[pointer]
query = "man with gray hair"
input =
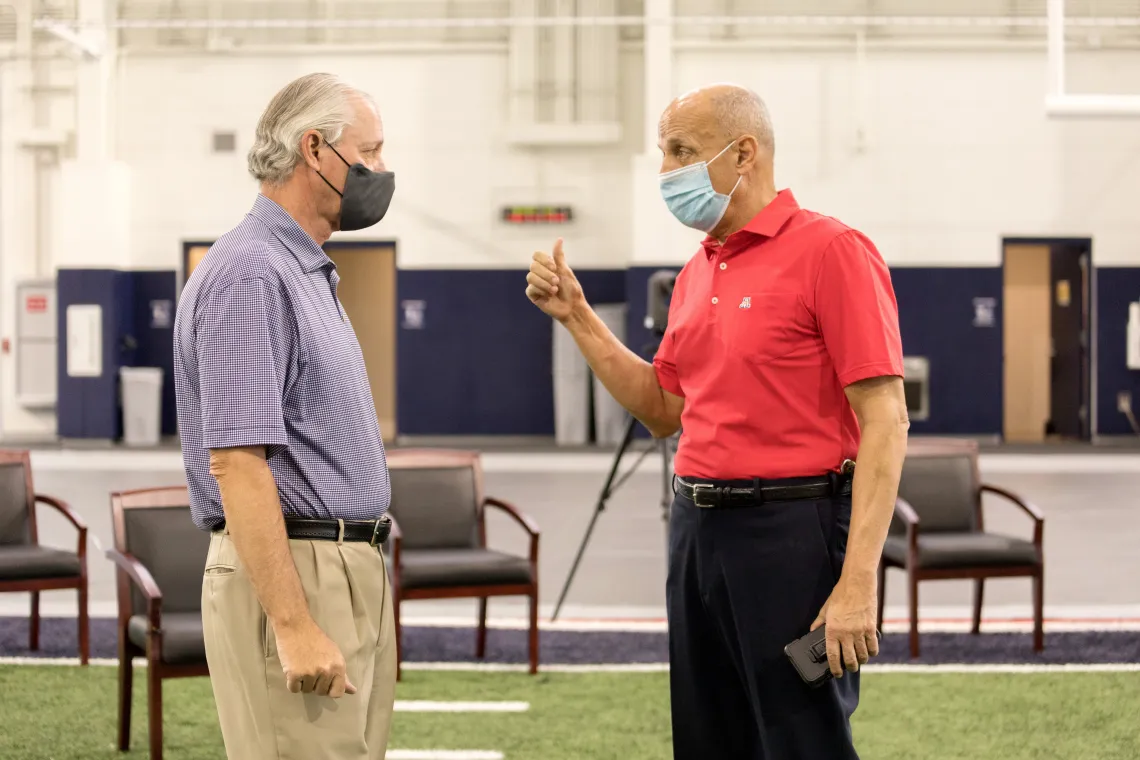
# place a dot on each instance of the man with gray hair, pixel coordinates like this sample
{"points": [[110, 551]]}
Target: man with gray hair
{"points": [[282, 447], [782, 366]]}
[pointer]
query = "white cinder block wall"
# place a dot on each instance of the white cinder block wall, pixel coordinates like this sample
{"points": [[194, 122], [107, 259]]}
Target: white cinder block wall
{"points": [[935, 154]]}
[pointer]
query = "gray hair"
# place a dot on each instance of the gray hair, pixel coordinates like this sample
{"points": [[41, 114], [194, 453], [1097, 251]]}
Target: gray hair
{"points": [[740, 111], [315, 101]]}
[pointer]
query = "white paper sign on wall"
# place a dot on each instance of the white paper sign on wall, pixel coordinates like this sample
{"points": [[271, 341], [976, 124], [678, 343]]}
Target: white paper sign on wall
{"points": [[984, 312], [413, 315], [84, 340]]}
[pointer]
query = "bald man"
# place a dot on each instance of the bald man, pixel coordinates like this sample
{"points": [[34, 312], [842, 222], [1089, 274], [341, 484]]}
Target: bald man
{"points": [[782, 365]]}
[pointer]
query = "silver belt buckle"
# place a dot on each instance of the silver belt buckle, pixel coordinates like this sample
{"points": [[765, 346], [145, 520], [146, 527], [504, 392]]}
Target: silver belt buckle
{"points": [[698, 489]]}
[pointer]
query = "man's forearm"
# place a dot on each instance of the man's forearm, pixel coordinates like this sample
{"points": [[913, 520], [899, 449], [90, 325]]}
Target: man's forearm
{"points": [[257, 528], [630, 379], [881, 452]]}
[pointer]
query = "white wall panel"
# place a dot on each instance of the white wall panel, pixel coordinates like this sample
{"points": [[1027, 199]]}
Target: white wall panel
{"points": [[445, 119], [959, 151]]}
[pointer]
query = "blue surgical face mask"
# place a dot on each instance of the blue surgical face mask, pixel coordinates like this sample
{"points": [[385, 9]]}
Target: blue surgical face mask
{"points": [[689, 194]]}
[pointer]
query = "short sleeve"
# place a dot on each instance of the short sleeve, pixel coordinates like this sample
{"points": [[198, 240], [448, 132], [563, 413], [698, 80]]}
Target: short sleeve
{"points": [[856, 310], [664, 362], [245, 342]]}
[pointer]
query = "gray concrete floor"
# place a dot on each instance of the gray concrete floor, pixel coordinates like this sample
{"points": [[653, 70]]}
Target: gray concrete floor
{"points": [[1091, 536]]}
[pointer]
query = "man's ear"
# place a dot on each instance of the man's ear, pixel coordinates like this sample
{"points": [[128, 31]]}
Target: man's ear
{"points": [[310, 149], [747, 151]]}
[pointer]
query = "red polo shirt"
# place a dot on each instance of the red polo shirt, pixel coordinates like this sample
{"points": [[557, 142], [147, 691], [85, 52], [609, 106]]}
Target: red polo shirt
{"points": [[764, 333]]}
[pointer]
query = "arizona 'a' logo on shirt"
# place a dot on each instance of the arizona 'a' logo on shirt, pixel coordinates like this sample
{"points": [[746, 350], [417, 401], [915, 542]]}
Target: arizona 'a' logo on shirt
{"points": [[746, 303]]}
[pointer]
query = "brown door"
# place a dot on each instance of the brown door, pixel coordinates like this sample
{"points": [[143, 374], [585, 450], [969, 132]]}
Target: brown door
{"points": [[1027, 335], [367, 291], [193, 257]]}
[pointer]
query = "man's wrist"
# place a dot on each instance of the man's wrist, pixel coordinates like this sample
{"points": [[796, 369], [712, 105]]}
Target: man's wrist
{"points": [[291, 622], [577, 316], [859, 573]]}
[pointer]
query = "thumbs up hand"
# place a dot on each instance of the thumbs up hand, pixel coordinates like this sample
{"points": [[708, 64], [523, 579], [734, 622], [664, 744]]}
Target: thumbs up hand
{"points": [[552, 286]]}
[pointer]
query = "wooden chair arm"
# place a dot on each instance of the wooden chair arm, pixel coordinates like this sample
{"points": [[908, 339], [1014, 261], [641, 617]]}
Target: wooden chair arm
{"points": [[81, 527], [1030, 509], [142, 578], [61, 506], [905, 512], [529, 525]]}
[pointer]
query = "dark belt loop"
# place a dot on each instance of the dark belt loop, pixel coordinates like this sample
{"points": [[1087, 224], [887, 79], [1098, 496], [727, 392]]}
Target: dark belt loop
{"points": [[833, 482], [757, 491]]}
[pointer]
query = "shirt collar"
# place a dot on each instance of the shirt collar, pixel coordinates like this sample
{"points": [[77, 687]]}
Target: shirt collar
{"points": [[768, 222], [310, 255]]}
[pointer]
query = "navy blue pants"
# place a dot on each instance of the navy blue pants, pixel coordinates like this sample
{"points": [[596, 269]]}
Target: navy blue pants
{"points": [[743, 583]]}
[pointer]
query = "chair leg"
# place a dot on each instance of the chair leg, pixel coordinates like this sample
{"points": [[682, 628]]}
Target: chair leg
{"points": [[481, 634], [534, 631], [979, 588], [1039, 610], [154, 705], [84, 624], [913, 612], [126, 687], [882, 592], [34, 623]]}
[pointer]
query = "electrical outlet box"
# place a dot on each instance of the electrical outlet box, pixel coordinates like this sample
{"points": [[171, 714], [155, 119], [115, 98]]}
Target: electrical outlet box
{"points": [[1124, 402]]}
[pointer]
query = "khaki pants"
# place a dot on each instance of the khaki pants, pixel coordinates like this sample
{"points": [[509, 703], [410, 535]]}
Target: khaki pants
{"points": [[347, 589]]}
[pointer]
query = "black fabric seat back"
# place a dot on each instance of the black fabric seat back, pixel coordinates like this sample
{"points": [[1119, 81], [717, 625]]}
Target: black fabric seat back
{"points": [[15, 528], [942, 487], [436, 507], [169, 545]]}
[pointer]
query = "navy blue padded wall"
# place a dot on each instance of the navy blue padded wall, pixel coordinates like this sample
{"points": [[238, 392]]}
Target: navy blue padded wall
{"points": [[155, 304], [89, 407], [480, 362], [1116, 287], [936, 318]]}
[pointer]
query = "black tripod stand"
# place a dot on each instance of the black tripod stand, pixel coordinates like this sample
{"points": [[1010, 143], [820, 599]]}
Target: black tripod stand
{"points": [[663, 446]]}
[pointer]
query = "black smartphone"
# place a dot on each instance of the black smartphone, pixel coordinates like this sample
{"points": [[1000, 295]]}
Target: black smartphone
{"points": [[809, 657]]}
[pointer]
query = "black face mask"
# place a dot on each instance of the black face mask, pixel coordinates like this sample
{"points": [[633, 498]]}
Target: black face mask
{"points": [[366, 195]]}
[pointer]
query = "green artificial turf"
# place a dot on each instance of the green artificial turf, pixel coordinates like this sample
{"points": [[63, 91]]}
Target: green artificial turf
{"points": [[68, 713]]}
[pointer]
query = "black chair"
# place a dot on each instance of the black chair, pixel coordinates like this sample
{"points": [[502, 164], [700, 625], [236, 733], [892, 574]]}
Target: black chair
{"points": [[160, 556], [438, 545], [937, 532], [27, 566]]}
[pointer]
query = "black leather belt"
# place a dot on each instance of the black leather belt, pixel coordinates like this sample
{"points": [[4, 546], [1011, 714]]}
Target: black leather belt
{"points": [[708, 495], [375, 532]]}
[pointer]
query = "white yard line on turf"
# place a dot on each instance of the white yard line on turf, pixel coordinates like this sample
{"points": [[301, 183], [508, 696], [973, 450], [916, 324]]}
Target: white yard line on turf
{"points": [[412, 705], [443, 754], [659, 667]]}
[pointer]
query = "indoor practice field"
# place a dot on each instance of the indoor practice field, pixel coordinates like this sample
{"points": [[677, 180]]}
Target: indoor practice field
{"points": [[551, 370]]}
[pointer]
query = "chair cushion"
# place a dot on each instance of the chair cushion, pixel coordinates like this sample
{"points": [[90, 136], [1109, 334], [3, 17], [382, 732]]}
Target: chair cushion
{"points": [[182, 639], [433, 568], [962, 550], [19, 563]]}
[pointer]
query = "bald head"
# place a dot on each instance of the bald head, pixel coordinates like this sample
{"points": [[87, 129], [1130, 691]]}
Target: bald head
{"points": [[740, 111], [729, 127], [721, 111]]}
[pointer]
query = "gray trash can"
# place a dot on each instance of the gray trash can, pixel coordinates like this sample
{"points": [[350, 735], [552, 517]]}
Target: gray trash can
{"points": [[609, 416], [142, 405], [571, 390]]}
